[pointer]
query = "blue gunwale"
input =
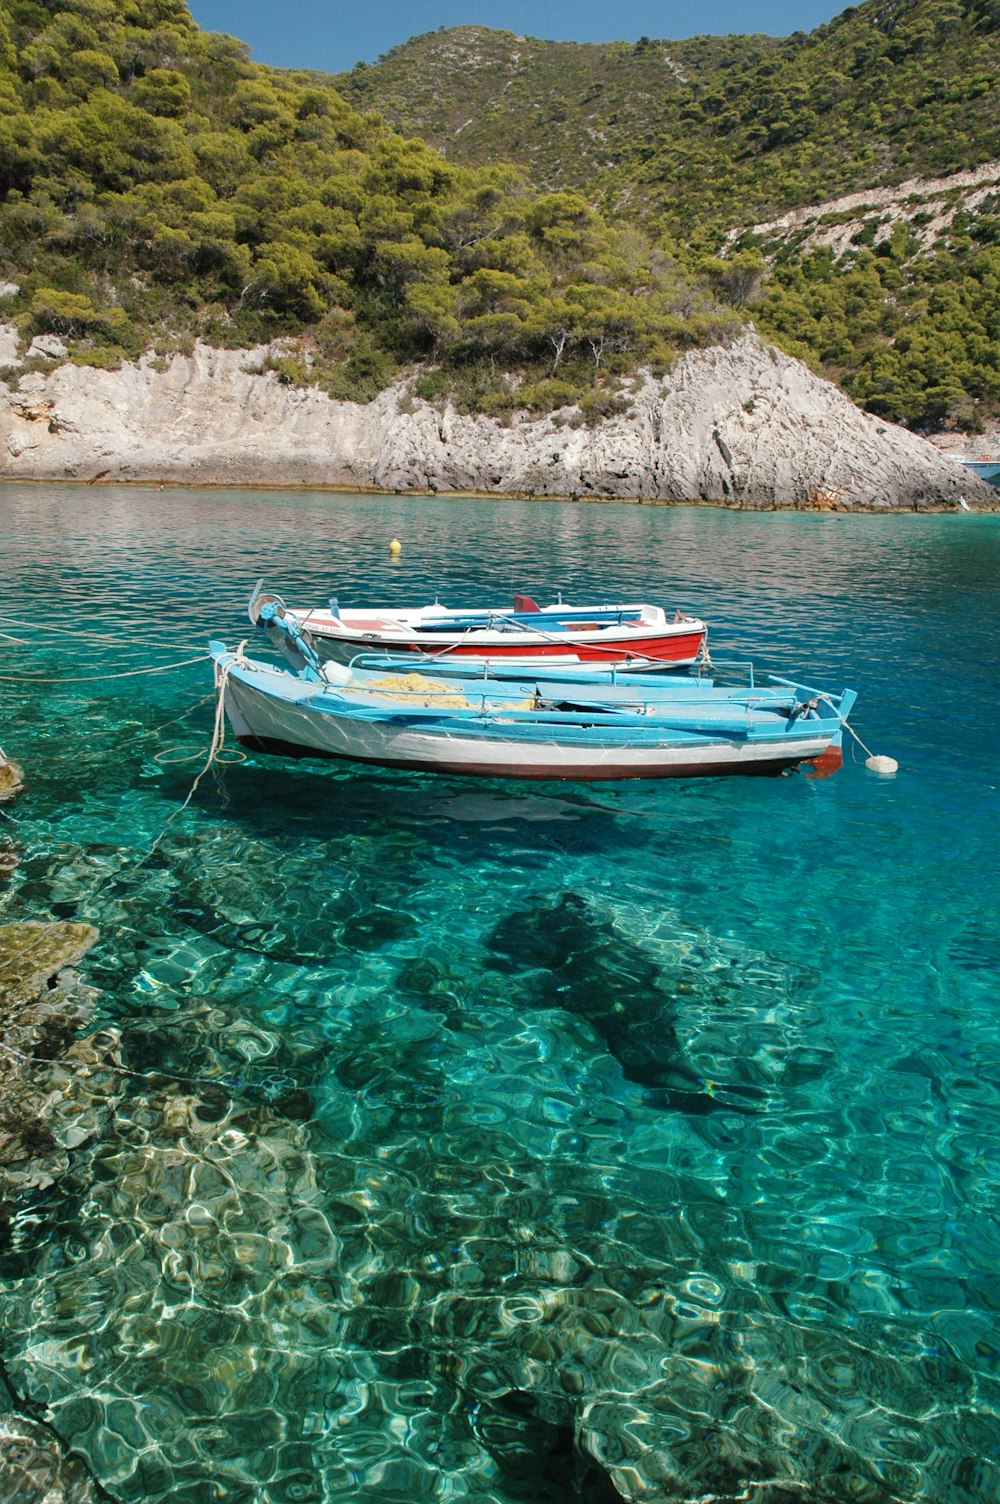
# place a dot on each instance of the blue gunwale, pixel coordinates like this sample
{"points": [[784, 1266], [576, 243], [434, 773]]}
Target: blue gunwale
{"points": [[680, 710]]}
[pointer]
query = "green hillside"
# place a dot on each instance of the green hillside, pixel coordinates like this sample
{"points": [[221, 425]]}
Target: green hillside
{"points": [[695, 139], [590, 211], [155, 186], [573, 115], [713, 131]]}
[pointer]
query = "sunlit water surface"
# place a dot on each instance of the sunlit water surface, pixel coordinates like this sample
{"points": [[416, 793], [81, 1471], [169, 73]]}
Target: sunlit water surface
{"points": [[513, 1142]]}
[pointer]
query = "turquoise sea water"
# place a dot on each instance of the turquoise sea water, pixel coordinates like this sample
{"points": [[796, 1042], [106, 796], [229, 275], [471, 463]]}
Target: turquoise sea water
{"points": [[501, 1142]]}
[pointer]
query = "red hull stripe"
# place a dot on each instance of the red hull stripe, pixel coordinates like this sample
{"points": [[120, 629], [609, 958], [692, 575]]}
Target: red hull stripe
{"points": [[679, 649]]}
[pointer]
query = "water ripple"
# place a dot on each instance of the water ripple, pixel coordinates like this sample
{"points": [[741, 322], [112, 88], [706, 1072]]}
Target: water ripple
{"points": [[513, 1145]]}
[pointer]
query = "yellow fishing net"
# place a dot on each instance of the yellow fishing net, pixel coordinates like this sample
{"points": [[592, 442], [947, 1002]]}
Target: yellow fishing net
{"points": [[418, 689]]}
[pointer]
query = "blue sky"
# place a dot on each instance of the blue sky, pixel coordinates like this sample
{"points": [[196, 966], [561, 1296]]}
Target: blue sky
{"points": [[333, 35]]}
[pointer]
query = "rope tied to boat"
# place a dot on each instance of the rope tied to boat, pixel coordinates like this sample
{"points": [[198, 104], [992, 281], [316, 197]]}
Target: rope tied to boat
{"points": [[174, 757], [217, 744], [875, 762], [216, 747]]}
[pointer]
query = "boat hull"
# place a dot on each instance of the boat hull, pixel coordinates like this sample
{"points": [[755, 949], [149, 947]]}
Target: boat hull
{"points": [[677, 650], [570, 638], [284, 715], [985, 469], [592, 772]]}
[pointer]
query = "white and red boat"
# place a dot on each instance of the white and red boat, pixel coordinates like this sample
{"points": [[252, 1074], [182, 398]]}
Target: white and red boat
{"points": [[623, 634]]}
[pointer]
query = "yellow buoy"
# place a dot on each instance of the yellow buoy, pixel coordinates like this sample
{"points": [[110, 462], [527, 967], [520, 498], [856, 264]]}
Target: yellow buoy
{"points": [[395, 546]]}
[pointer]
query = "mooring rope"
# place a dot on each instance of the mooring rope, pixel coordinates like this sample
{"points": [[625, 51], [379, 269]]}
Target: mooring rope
{"points": [[876, 761], [216, 747], [130, 673], [100, 639], [176, 719]]}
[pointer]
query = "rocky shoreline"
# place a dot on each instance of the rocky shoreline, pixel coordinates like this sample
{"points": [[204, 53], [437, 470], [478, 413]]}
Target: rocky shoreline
{"points": [[738, 426]]}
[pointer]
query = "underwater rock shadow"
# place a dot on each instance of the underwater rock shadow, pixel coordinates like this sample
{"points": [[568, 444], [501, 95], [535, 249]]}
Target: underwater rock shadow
{"points": [[540, 1460], [569, 959]]}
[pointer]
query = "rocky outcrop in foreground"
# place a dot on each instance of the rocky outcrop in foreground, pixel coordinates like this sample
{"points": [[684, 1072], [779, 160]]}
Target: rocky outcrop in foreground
{"points": [[42, 1005], [48, 1104], [35, 1465], [11, 778], [742, 425]]}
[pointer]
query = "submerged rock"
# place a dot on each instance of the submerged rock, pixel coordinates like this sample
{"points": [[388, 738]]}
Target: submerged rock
{"points": [[31, 955], [36, 1469], [46, 1102], [570, 959], [265, 1308], [42, 1006], [12, 780], [565, 956]]}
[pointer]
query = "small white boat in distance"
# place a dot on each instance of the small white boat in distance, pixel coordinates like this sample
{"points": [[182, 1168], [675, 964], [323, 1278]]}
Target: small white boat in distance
{"points": [[985, 467], [524, 632]]}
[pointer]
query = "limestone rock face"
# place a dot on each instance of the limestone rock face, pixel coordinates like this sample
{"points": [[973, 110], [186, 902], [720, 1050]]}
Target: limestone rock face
{"points": [[742, 425], [49, 345]]}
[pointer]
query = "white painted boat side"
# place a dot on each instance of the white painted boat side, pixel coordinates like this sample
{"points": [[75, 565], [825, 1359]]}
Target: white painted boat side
{"points": [[413, 618], [390, 631], [285, 724]]}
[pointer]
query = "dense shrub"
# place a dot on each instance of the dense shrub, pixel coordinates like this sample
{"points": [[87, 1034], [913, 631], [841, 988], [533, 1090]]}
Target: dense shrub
{"points": [[152, 178]]}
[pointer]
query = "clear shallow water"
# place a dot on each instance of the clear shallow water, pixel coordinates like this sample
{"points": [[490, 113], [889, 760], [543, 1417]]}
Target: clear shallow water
{"points": [[515, 1141]]}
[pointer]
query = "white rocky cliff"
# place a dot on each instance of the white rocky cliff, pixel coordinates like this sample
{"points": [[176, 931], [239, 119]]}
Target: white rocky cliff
{"points": [[743, 425]]}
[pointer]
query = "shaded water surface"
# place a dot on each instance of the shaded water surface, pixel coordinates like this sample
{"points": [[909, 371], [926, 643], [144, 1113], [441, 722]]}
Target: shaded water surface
{"points": [[494, 1142]]}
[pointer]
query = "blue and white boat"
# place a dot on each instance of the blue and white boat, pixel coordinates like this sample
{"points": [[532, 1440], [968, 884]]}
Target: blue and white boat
{"points": [[585, 724]]}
